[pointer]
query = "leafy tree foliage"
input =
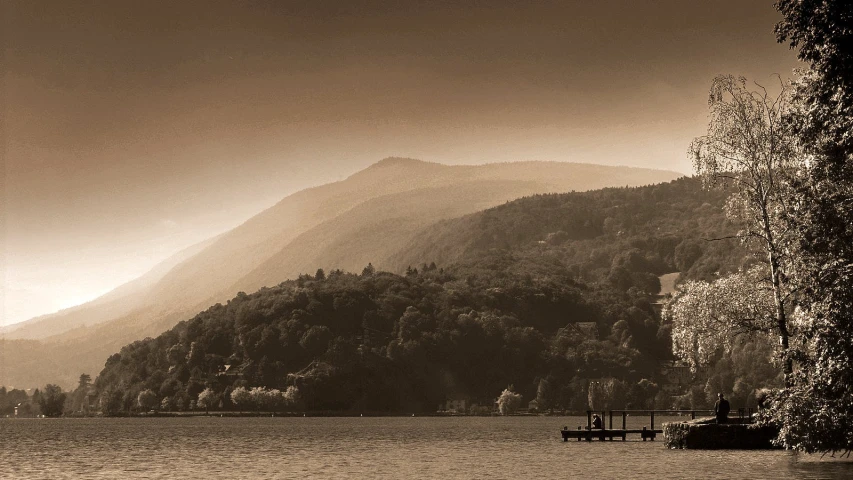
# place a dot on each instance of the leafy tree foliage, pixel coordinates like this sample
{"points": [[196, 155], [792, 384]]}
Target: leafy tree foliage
{"points": [[80, 397], [207, 399], [617, 235], [386, 342], [241, 397], [708, 317], [552, 292], [9, 399], [811, 223], [607, 393], [816, 412], [52, 401], [750, 145], [147, 400], [820, 31], [509, 401], [112, 401]]}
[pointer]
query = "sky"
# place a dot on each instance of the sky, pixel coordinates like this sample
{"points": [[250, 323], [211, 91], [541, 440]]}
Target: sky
{"points": [[135, 129]]}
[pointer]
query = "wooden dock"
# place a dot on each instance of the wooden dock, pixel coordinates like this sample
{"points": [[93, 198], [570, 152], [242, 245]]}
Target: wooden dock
{"points": [[648, 432], [607, 434]]}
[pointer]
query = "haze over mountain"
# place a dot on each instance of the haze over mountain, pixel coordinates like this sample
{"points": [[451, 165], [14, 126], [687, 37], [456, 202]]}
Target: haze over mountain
{"points": [[544, 292], [136, 129], [366, 218]]}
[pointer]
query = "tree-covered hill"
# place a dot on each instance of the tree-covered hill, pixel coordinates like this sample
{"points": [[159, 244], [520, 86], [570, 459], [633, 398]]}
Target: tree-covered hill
{"points": [[383, 342], [548, 293], [366, 217], [613, 233]]}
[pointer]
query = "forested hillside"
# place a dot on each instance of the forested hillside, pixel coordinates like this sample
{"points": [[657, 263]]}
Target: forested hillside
{"points": [[365, 218], [547, 293], [383, 342], [616, 234]]}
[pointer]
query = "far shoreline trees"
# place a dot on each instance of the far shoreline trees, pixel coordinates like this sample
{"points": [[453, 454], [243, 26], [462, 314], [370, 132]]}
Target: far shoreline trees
{"points": [[509, 402], [52, 401]]}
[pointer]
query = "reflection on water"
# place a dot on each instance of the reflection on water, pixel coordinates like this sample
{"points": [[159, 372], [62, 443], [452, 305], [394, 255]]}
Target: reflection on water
{"points": [[420, 447]]}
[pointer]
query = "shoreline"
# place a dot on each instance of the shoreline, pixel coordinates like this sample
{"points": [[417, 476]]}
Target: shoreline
{"points": [[331, 414]]}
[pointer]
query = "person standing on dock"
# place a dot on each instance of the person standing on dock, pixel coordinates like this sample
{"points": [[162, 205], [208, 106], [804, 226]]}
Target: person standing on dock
{"points": [[721, 409]]}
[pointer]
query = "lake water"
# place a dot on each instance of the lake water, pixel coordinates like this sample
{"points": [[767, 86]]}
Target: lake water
{"points": [[407, 448]]}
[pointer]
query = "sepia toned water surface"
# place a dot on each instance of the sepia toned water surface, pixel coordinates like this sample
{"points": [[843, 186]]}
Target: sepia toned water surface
{"points": [[383, 448]]}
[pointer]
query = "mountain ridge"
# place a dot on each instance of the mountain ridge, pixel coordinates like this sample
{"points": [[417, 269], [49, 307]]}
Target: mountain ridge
{"points": [[506, 309], [212, 274]]}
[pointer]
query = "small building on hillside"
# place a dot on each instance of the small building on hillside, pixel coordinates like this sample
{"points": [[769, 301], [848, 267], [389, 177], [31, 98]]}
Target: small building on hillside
{"points": [[234, 371], [533, 406], [457, 403], [587, 330]]}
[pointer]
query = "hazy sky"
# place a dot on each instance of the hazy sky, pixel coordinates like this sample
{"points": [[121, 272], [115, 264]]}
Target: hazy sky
{"points": [[133, 129]]}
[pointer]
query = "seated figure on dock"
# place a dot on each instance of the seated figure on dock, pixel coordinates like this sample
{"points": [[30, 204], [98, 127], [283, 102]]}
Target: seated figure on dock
{"points": [[721, 409], [597, 424]]}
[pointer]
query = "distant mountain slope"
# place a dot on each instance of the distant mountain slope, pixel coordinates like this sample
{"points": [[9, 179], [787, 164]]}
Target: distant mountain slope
{"points": [[655, 229], [394, 192], [506, 308], [367, 217], [375, 230], [114, 304]]}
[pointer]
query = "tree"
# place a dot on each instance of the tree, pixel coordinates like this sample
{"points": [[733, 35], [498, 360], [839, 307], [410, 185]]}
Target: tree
{"points": [[820, 32], [320, 275], [85, 381], [815, 410], [291, 396], [606, 394], [260, 398], [80, 396], [595, 394], [750, 145], [275, 399], [147, 400], [52, 401], [167, 404], [207, 399], [544, 394], [316, 340], [707, 317], [644, 393], [111, 401], [509, 401], [241, 397]]}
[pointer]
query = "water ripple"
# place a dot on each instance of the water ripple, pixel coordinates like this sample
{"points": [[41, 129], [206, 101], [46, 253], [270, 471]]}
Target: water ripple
{"points": [[376, 448]]}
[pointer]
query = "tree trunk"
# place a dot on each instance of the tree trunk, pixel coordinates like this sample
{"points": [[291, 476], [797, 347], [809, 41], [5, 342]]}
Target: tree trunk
{"points": [[778, 298], [781, 318]]}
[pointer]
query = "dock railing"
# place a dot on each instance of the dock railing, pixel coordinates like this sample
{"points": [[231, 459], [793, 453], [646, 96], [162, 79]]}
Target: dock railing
{"points": [[607, 430], [651, 413]]}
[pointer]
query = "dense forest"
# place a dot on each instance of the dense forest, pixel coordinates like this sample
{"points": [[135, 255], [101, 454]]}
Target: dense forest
{"points": [[609, 234], [552, 294]]}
